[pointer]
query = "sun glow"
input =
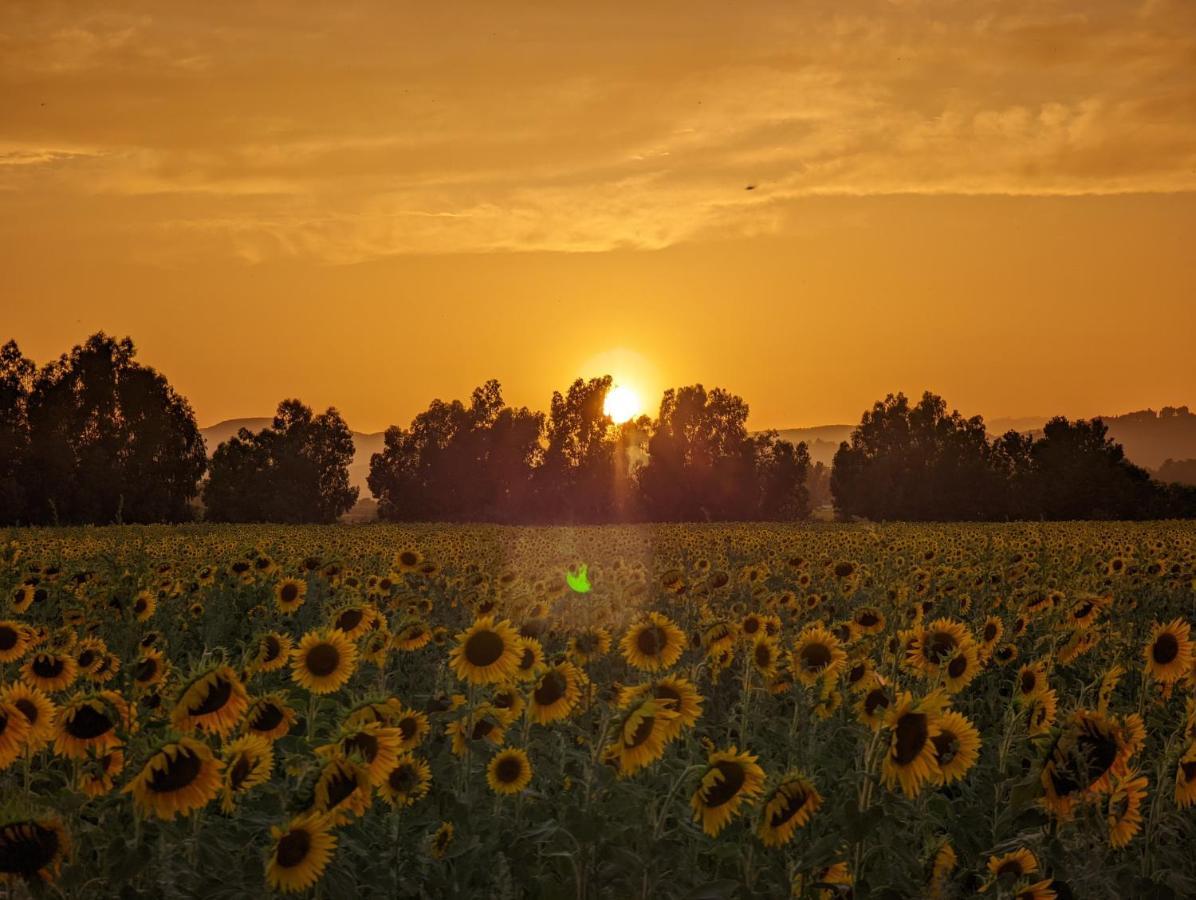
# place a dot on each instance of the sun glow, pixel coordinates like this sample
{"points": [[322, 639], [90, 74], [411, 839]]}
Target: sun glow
{"points": [[622, 403]]}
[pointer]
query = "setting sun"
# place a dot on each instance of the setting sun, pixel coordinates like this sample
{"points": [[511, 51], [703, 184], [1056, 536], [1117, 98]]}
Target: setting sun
{"points": [[622, 403]]}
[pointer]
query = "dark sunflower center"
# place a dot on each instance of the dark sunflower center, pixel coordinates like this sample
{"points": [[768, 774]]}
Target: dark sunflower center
{"points": [[8, 637], [508, 770], [1189, 769], [1010, 867], [408, 728], [218, 694], [322, 660], [726, 790], [868, 619], [912, 733], [349, 619], [876, 699], [552, 688], [957, 666], [289, 592], [271, 647], [940, 646], [178, 774], [363, 744], [28, 709], [88, 723], [403, 779], [651, 640], [408, 558], [340, 786], [763, 655], [795, 799], [26, 848], [241, 770], [146, 669], [293, 848], [267, 718], [946, 746], [1165, 648], [481, 728], [48, 666], [815, 657], [86, 658], [1029, 682], [642, 732], [990, 632], [484, 648]]}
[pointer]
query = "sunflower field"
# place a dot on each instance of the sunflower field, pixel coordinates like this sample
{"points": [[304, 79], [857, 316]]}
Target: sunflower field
{"points": [[728, 711]]}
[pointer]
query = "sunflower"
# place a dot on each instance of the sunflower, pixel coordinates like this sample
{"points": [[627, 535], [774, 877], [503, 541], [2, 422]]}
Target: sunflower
{"points": [[789, 807], [353, 621], [653, 643], [730, 779], [1011, 867], [177, 779], [531, 658], [212, 703], [323, 661], [962, 669], [248, 762], [14, 641], [97, 774], [482, 724], [641, 735], [342, 789], [145, 604], [509, 772], [52, 672], [765, 656], [817, 654], [269, 717], [439, 842], [873, 705], [487, 652], [87, 724], [289, 594], [1083, 759], [411, 636], [589, 645], [150, 669], [1169, 652], [373, 745], [408, 560], [1039, 890], [1031, 681], [956, 746], [301, 852], [683, 698], [39, 711], [1185, 778], [509, 702], [945, 862], [556, 693], [912, 756], [408, 781], [14, 732], [868, 620], [413, 728], [937, 644], [273, 651], [990, 634], [1040, 712], [33, 849], [1124, 809]]}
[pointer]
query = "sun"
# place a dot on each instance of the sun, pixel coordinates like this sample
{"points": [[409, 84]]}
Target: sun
{"points": [[622, 403]]}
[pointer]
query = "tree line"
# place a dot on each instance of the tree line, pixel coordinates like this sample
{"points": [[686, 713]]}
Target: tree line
{"points": [[97, 437]]}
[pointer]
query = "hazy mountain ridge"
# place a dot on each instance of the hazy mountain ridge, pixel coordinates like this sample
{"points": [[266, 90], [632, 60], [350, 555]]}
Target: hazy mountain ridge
{"points": [[1150, 438]]}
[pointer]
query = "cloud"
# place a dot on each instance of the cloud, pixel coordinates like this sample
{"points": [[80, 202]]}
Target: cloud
{"points": [[372, 131]]}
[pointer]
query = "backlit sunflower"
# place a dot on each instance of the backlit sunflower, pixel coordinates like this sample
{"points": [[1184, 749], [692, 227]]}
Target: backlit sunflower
{"points": [[1169, 651], [408, 781], [97, 774], [816, 654], [411, 636], [269, 717], [962, 669], [1123, 811], [353, 621], [177, 779], [248, 762], [52, 672], [956, 746], [641, 734], [509, 772], [509, 702], [289, 594], [39, 711], [1084, 758], [323, 661], [301, 852], [1031, 681], [937, 644], [212, 703], [556, 693], [487, 652], [413, 728], [14, 641], [33, 850], [789, 807], [653, 643], [87, 724], [872, 707], [765, 655], [731, 779], [912, 757], [373, 745], [589, 645], [145, 604]]}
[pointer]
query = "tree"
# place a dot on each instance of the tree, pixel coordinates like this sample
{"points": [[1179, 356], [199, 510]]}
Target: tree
{"points": [[915, 462], [296, 470], [576, 480], [109, 440], [16, 381], [459, 462]]}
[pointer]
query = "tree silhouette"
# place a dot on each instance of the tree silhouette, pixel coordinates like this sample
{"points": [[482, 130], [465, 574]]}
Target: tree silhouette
{"points": [[459, 462], [296, 470], [16, 381], [576, 479], [109, 440]]}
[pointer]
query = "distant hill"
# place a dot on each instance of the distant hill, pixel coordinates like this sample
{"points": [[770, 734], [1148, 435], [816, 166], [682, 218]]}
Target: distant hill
{"points": [[1149, 438]]}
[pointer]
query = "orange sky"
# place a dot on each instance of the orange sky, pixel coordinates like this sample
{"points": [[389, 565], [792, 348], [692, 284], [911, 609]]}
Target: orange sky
{"points": [[378, 203]]}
